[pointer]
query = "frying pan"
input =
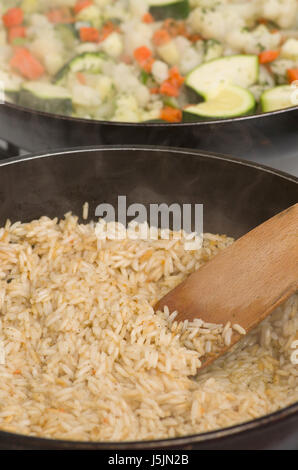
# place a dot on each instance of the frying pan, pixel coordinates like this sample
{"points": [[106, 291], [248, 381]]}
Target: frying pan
{"points": [[237, 196], [268, 134]]}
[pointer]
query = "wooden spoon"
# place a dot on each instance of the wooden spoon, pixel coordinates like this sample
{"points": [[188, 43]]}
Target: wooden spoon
{"points": [[245, 282]]}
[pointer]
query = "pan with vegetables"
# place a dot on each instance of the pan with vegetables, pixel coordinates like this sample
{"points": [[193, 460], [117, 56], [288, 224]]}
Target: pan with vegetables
{"points": [[105, 64]]}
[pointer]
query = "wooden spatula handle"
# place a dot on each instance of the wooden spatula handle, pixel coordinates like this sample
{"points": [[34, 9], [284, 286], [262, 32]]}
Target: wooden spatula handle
{"points": [[246, 281]]}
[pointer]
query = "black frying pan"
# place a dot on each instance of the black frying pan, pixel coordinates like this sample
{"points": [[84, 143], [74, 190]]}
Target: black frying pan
{"points": [[237, 196], [270, 134]]}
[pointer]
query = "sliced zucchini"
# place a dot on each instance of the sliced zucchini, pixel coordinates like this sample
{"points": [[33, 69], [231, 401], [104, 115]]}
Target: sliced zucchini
{"points": [[10, 84], [230, 101], [87, 61], [45, 97], [240, 70], [67, 34], [162, 9], [279, 97]]}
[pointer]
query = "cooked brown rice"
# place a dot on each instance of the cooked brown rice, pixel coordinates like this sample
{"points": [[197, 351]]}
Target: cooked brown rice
{"points": [[83, 355]]}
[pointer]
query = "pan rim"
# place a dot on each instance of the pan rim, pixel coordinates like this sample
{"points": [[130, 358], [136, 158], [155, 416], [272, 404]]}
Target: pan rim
{"points": [[185, 152], [17, 108]]}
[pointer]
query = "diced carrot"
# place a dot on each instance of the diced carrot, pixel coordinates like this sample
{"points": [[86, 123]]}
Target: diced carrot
{"points": [[160, 37], [175, 78], [26, 64], [17, 372], [81, 78], [148, 18], [106, 30], [60, 15], [171, 114], [16, 32], [268, 56], [143, 56], [194, 37], [81, 4], [167, 88], [89, 34], [13, 17], [147, 66], [292, 75]]}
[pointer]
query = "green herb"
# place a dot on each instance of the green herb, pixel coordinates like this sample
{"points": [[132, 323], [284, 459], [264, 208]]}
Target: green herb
{"points": [[19, 41], [144, 77]]}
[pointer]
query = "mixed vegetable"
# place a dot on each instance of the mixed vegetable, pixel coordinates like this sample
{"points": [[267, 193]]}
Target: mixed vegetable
{"points": [[150, 60]]}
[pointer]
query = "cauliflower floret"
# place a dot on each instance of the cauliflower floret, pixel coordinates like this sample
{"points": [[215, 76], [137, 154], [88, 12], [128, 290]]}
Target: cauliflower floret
{"points": [[217, 21], [282, 12], [136, 34], [50, 51], [87, 47], [253, 42], [101, 83], [160, 71], [113, 45], [91, 14], [279, 67], [289, 49], [138, 7], [190, 59], [127, 109], [214, 50], [153, 111], [86, 96], [142, 95], [169, 53], [124, 77]]}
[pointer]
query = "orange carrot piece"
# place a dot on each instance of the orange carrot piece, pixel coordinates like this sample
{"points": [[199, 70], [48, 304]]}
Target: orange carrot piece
{"points": [[148, 18], [60, 15], [106, 30], [154, 90], [292, 75], [160, 37], [26, 64], [81, 4], [81, 78], [13, 17], [175, 78], [143, 56], [16, 32], [89, 34], [194, 37], [167, 88], [266, 57], [171, 114]]}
